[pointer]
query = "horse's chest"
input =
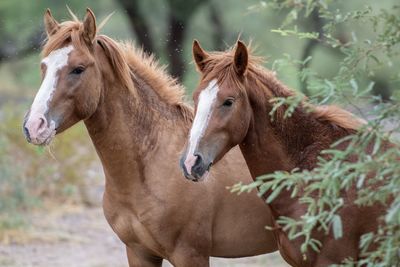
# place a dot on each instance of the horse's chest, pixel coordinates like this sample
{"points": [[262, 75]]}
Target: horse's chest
{"points": [[289, 250], [129, 228]]}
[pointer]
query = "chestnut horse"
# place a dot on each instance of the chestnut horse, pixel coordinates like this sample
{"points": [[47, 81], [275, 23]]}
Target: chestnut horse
{"points": [[137, 120], [232, 102]]}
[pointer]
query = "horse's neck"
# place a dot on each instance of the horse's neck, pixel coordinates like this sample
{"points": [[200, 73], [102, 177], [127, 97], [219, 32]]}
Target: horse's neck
{"points": [[262, 149], [283, 144], [127, 130], [280, 143]]}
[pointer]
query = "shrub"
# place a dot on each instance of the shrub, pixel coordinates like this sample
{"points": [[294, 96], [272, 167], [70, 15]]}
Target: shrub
{"points": [[353, 84], [31, 176]]}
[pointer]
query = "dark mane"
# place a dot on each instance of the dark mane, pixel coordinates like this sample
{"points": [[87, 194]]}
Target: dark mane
{"points": [[220, 64], [126, 61]]}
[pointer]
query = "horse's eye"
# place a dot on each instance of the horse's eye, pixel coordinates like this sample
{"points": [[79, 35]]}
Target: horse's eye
{"points": [[78, 70], [228, 102]]}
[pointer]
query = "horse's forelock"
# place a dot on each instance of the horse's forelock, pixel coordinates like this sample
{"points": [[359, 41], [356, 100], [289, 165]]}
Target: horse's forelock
{"points": [[69, 32], [220, 66]]}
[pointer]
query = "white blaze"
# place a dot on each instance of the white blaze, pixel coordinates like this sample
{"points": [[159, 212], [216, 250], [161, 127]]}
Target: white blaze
{"points": [[205, 106], [55, 61]]}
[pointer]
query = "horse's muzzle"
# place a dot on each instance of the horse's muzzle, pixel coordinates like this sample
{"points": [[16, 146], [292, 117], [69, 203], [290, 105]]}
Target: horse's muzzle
{"points": [[194, 167], [37, 130]]}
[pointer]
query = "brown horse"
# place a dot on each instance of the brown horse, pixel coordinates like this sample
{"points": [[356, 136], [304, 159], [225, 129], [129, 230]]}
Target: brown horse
{"points": [[232, 106], [137, 121]]}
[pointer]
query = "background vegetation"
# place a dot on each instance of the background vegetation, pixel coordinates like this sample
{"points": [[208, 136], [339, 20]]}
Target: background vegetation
{"points": [[343, 52]]}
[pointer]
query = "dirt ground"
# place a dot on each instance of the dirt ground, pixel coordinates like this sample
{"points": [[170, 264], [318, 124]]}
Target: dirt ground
{"points": [[80, 237]]}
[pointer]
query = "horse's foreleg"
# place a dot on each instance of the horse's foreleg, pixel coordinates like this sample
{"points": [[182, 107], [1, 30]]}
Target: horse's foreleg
{"points": [[138, 257]]}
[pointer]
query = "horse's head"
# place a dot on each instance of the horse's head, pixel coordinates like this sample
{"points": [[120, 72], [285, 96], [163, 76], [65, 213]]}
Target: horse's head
{"points": [[222, 109], [71, 83]]}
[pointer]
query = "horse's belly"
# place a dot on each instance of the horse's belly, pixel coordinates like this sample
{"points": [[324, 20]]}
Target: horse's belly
{"points": [[237, 249]]}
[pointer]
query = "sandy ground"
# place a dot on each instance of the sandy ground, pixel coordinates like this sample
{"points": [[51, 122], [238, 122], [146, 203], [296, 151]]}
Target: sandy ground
{"points": [[77, 237]]}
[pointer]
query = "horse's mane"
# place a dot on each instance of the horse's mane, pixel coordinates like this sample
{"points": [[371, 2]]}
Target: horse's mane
{"points": [[127, 62], [125, 58], [220, 64]]}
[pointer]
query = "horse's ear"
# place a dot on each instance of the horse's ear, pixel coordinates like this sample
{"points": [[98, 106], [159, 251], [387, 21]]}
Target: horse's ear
{"points": [[50, 24], [89, 26], [199, 55], [241, 58]]}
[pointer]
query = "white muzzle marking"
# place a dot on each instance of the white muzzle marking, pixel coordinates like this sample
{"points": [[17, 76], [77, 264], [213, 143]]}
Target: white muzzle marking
{"points": [[40, 131]]}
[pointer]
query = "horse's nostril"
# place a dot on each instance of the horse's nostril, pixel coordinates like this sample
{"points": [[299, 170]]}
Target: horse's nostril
{"points": [[26, 132], [209, 166], [42, 123], [199, 159]]}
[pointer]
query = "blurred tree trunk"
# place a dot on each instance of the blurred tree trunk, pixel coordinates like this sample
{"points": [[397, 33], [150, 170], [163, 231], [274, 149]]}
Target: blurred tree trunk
{"points": [[317, 26], [10, 51], [175, 38], [317, 23], [382, 89], [180, 13], [218, 27], [138, 24]]}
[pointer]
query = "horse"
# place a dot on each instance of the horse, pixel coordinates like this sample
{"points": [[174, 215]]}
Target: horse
{"points": [[137, 120], [233, 101]]}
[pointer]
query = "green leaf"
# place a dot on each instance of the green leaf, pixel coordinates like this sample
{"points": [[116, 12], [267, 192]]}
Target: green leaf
{"points": [[40, 150], [337, 227], [377, 146], [360, 180], [392, 212], [315, 245], [354, 85], [375, 59], [275, 193]]}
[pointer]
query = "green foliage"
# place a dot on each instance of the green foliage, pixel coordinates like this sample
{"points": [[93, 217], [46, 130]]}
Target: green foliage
{"points": [[31, 176], [374, 173]]}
